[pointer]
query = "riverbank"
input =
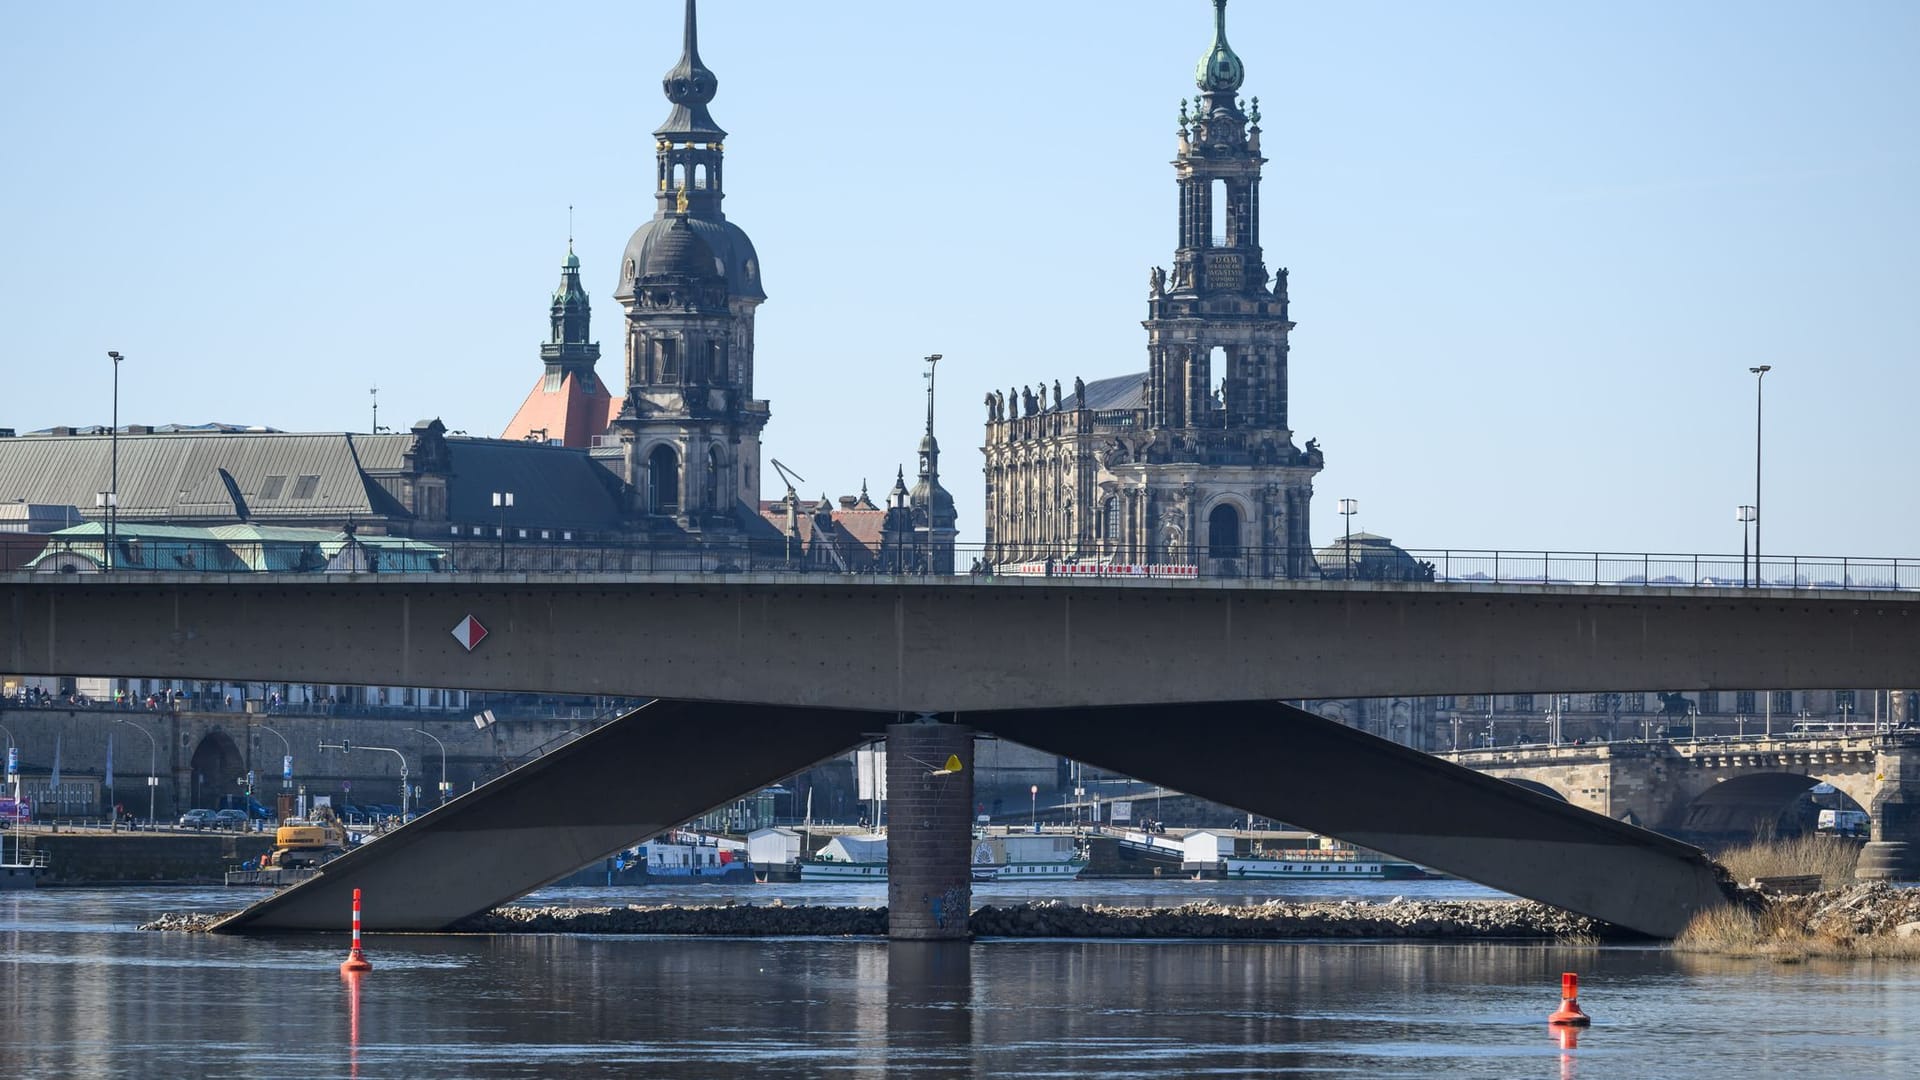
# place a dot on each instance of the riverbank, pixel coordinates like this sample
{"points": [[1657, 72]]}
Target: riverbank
{"points": [[1397, 918], [1874, 920]]}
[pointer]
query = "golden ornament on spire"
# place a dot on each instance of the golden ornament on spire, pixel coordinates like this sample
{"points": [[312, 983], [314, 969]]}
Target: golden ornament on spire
{"points": [[680, 199]]}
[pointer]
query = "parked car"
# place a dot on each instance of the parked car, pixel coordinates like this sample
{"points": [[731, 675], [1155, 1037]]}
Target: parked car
{"points": [[197, 819], [249, 806], [229, 819]]}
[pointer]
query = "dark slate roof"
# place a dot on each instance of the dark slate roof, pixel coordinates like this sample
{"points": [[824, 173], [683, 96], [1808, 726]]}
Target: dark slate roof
{"points": [[185, 477], [1119, 392], [726, 241], [552, 485]]}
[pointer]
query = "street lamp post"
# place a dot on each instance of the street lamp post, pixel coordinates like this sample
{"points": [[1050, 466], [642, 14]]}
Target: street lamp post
{"points": [[1033, 806], [1759, 380], [108, 502], [501, 501], [113, 469], [443, 761], [1745, 516], [153, 778], [286, 762], [1348, 508], [405, 788]]}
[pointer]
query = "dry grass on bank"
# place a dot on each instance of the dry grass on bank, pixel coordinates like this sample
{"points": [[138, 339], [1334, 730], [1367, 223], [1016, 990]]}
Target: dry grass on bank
{"points": [[1847, 920], [1782, 932], [1830, 857]]}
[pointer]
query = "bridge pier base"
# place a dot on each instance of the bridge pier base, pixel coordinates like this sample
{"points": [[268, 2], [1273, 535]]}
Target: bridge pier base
{"points": [[930, 816], [1893, 854]]}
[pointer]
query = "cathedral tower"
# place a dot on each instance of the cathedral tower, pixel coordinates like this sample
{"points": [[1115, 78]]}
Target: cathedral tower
{"points": [[1217, 332], [690, 282], [1191, 464]]}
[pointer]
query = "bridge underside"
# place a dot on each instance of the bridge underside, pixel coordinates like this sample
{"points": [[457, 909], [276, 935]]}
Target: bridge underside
{"points": [[672, 761], [1293, 766], [633, 778]]}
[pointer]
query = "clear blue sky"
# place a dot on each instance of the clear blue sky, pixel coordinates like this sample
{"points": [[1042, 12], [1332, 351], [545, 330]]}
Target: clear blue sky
{"points": [[1535, 247]]}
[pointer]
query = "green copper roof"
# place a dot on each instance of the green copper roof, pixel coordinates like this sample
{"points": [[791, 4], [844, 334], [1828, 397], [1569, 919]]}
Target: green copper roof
{"points": [[1220, 70]]}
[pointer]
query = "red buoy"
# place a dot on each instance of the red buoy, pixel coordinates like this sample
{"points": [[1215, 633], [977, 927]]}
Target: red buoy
{"points": [[1569, 1014], [356, 960]]}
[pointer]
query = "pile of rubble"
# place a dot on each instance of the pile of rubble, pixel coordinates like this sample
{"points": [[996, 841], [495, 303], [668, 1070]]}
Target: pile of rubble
{"points": [[1395, 918], [1868, 910]]}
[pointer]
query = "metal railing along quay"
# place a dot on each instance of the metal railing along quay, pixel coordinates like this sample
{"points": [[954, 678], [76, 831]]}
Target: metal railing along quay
{"points": [[1368, 562]]}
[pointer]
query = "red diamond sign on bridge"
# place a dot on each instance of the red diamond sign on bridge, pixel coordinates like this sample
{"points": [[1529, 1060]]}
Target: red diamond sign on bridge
{"points": [[469, 632]]}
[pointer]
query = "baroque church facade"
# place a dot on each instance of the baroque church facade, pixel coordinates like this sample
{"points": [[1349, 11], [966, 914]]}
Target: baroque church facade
{"points": [[1193, 461]]}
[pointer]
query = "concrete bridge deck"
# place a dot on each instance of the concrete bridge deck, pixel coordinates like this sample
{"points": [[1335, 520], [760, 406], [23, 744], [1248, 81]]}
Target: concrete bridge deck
{"points": [[927, 645]]}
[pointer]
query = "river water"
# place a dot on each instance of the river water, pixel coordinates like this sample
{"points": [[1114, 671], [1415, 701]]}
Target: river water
{"points": [[85, 994]]}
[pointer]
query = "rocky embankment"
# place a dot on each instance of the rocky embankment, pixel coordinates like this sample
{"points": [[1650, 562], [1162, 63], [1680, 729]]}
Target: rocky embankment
{"points": [[1396, 918], [1866, 921], [1871, 909]]}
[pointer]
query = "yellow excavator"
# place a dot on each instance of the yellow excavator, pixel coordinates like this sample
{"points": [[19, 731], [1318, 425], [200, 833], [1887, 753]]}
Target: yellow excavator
{"points": [[307, 843]]}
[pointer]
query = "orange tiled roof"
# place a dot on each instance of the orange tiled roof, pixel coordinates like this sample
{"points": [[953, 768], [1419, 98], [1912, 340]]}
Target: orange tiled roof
{"points": [[569, 412]]}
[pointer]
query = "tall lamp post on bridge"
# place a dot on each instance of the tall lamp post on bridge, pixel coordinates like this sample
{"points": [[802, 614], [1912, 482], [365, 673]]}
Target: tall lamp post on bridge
{"points": [[113, 469], [1033, 806], [443, 761], [1745, 516], [153, 756], [1348, 508], [1759, 380], [502, 500]]}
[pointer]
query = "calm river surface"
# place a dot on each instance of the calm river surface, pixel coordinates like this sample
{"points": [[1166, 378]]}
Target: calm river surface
{"points": [[84, 994]]}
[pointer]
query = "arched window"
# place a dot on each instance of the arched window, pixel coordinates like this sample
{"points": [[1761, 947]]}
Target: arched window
{"points": [[714, 468], [663, 481], [1223, 532], [1114, 528]]}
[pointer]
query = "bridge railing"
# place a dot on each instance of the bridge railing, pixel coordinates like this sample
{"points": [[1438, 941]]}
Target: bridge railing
{"points": [[841, 554]]}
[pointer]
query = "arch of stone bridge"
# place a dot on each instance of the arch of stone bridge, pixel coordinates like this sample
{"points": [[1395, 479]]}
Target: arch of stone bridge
{"points": [[1537, 787], [1758, 804]]}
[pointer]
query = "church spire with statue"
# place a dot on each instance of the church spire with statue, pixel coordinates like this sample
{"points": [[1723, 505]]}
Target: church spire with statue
{"points": [[689, 429], [1192, 463]]}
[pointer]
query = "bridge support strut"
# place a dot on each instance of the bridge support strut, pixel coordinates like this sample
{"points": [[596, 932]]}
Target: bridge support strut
{"points": [[930, 808]]}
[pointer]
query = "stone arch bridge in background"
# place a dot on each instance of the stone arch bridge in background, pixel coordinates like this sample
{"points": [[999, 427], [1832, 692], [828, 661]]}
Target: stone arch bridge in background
{"points": [[1711, 789]]}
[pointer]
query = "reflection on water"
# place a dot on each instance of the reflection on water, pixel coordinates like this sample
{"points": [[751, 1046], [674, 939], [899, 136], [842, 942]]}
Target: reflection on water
{"points": [[86, 995]]}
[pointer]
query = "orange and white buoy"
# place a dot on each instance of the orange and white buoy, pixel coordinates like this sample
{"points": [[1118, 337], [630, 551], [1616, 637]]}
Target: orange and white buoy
{"points": [[1569, 1013], [356, 960]]}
